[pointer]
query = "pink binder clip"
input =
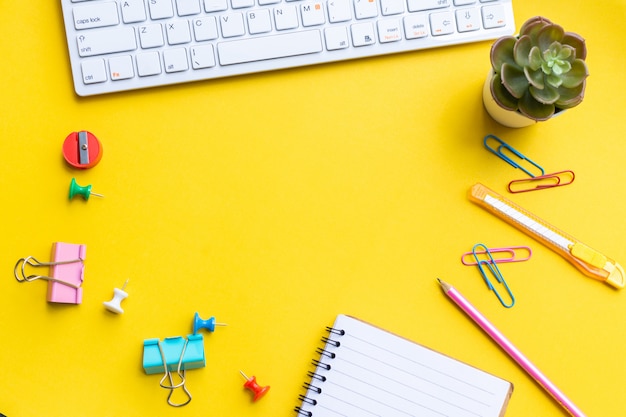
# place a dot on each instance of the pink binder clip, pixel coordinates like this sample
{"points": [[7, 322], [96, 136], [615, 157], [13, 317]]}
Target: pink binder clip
{"points": [[66, 272]]}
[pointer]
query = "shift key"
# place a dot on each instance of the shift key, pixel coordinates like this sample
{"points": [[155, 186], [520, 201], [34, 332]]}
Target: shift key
{"points": [[106, 41]]}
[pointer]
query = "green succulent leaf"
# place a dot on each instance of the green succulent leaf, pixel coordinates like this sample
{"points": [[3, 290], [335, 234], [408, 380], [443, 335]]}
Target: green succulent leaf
{"points": [[535, 78], [532, 27], [535, 59], [530, 107], [514, 80], [560, 67], [577, 42], [521, 51], [553, 80], [546, 95], [576, 75], [567, 53], [548, 35], [502, 52], [570, 97], [501, 95]]}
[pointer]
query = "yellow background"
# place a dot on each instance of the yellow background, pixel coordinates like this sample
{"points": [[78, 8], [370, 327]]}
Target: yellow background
{"points": [[276, 201]]}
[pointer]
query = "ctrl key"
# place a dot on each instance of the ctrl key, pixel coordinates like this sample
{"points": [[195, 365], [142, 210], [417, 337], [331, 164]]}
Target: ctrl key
{"points": [[93, 71]]}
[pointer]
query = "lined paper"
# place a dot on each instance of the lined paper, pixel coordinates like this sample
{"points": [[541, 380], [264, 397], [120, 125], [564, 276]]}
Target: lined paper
{"points": [[376, 373]]}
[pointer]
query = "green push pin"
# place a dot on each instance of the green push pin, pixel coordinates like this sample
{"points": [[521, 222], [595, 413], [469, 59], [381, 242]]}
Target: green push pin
{"points": [[85, 191]]}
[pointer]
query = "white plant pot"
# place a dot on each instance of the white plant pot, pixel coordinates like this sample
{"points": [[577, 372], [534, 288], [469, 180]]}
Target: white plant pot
{"points": [[505, 117]]}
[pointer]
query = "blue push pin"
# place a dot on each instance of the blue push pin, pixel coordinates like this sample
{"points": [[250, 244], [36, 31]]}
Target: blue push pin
{"points": [[84, 192], [208, 324]]}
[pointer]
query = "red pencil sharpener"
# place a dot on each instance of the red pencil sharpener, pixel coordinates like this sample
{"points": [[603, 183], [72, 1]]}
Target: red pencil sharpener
{"points": [[82, 149]]}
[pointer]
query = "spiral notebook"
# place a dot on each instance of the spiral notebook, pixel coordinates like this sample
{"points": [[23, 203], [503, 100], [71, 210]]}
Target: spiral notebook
{"points": [[365, 371]]}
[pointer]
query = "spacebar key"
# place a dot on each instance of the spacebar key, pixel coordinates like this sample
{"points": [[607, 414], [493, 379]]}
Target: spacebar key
{"points": [[269, 47]]}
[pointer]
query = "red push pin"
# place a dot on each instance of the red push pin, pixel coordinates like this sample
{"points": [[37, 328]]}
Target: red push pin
{"points": [[82, 149], [252, 385]]}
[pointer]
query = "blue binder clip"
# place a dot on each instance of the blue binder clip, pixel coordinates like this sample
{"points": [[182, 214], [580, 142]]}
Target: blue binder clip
{"points": [[174, 354], [173, 349]]}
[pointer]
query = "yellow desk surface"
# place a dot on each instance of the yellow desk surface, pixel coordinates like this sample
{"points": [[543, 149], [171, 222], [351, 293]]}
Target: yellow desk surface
{"points": [[276, 201]]}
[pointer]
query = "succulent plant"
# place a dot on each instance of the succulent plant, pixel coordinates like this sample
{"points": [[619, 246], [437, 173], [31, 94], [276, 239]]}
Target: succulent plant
{"points": [[539, 72]]}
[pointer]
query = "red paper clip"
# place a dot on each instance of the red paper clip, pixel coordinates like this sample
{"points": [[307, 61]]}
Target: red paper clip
{"points": [[515, 254], [556, 179]]}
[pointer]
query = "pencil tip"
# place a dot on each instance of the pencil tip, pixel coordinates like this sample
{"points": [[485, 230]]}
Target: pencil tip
{"points": [[444, 284]]}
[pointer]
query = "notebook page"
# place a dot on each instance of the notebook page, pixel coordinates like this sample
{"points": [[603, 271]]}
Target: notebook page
{"points": [[375, 373]]}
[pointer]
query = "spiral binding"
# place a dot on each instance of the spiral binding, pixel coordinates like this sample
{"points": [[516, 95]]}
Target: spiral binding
{"points": [[322, 362]]}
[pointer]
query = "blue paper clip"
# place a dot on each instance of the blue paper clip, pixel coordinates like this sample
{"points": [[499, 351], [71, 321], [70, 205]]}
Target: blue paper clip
{"points": [[490, 263], [498, 152]]}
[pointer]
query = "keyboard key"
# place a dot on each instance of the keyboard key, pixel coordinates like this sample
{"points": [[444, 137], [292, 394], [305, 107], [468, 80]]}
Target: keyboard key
{"points": [[336, 38], [202, 57], [391, 7], [151, 36], [468, 20], [364, 9], [161, 9], [241, 4], [175, 60], [148, 63], [269, 47], [205, 29], [363, 34], [211, 6], [133, 11], [107, 41], [96, 15], [493, 16], [178, 32], [187, 7], [339, 11], [389, 30], [259, 21], [232, 25], [420, 5], [415, 26], [285, 17], [93, 71], [441, 23], [312, 14], [121, 68]]}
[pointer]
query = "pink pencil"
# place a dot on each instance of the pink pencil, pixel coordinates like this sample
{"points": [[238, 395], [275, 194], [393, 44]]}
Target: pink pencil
{"points": [[508, 347]]}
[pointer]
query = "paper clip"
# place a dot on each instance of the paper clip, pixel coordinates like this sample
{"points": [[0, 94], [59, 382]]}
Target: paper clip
{"points": [[499, 152], [510, 254], [556, 179], [495, 271]]}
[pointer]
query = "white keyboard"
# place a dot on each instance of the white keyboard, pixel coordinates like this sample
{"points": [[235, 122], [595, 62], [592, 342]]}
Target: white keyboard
{"points": [[117, 45]]}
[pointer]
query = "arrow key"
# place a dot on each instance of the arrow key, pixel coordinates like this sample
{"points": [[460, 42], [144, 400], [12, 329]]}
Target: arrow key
{"points": [[467, 20], [493, 16], [442, 23]]}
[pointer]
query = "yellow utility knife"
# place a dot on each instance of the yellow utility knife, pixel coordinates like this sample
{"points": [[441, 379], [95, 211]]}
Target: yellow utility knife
{"points": [[589, 261]]}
